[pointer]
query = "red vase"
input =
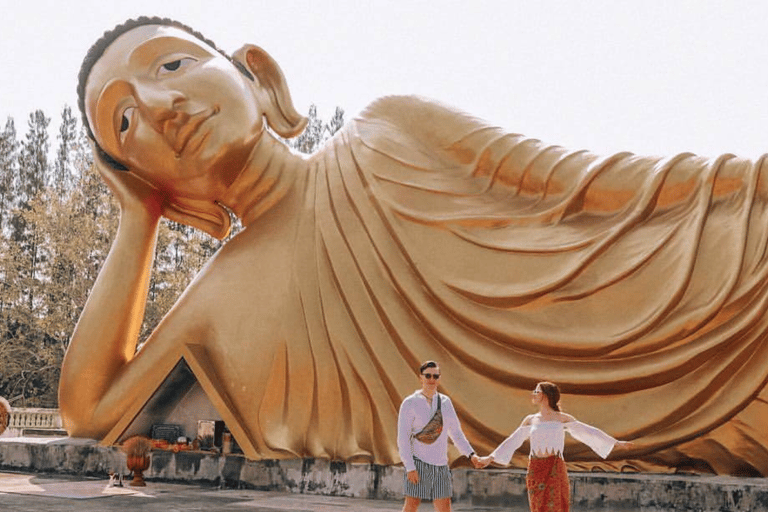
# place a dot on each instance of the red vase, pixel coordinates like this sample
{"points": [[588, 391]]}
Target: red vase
{"points": [[138, 464]]}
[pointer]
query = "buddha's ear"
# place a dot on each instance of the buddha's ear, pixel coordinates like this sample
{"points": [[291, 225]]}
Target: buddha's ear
{"points": [[201, 214], [279, 110]]}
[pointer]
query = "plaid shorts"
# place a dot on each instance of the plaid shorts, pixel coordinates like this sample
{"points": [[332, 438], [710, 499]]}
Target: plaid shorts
{"points": [[434, 482]]}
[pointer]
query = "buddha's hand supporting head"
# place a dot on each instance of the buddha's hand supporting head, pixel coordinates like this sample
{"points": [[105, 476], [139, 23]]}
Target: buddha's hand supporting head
{"points": [[140, 197], [164, 104]]}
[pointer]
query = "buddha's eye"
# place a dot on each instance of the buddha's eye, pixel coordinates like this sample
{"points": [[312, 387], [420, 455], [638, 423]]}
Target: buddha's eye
{"points": [[174, 65], [125, 121]]}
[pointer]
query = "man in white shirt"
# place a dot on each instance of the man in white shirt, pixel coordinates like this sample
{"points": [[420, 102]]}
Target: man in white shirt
{"points": [[426, 420]]}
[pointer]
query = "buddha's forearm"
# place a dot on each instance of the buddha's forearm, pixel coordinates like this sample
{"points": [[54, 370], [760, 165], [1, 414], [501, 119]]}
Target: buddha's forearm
{"points": [[106, 334]]}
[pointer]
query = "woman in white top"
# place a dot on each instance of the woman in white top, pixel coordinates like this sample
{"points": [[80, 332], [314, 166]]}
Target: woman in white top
{"points": [[547, 480]]}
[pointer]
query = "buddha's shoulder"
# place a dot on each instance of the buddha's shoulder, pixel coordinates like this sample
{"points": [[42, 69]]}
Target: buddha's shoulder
{"points": [[419, 116], [400, 106]]}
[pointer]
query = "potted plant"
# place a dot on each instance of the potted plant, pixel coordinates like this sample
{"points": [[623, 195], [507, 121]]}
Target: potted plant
{"points": [[137, 450]]}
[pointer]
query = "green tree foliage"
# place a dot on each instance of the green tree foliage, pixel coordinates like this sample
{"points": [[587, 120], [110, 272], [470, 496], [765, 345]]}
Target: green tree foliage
{"points": [[57, 222]]}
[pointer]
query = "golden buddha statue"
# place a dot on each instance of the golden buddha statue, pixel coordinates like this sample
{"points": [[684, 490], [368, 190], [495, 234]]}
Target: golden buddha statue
{"points": [[637, 284]]}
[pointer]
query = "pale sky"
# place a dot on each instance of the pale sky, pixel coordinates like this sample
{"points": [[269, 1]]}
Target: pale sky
{"points": [[652, 77]]}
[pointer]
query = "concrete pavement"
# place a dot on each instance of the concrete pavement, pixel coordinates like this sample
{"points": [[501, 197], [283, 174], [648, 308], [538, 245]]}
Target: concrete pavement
{"points": [[20, 492], [31, 469]]}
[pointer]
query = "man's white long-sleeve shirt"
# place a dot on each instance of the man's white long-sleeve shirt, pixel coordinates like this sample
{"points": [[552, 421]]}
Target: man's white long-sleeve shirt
{"points": [[415, 413]]}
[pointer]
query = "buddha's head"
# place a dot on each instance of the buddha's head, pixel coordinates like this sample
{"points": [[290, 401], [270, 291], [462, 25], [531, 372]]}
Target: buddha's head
{"points": [[162, 101]]}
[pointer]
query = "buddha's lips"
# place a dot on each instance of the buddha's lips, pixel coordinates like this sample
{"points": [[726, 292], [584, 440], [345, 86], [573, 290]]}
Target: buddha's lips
{"points": [[180, 129]]}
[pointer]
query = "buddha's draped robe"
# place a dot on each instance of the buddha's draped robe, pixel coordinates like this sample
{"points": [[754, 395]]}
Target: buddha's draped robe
{"points": [[638, 284]]}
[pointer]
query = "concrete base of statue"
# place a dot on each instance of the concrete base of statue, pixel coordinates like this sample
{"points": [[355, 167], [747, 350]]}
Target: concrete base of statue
{"points": [[487, 488]]}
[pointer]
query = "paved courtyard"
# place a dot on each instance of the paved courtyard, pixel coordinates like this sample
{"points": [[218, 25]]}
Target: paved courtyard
{"points": [[20, 492]]}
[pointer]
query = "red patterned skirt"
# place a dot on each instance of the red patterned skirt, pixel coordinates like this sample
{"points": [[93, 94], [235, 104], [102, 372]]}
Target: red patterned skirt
{"points": [[547, 483]]}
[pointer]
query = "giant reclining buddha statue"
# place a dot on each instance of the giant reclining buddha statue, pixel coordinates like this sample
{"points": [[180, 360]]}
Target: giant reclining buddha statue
{"points": [[638, 284]]}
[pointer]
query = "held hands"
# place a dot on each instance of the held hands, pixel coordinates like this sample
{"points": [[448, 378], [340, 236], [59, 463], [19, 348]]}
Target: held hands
{"points": [[481, 462]]}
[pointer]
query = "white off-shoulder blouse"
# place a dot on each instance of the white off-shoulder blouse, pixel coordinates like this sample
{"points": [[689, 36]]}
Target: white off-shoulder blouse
{"points": [[548, 438]]}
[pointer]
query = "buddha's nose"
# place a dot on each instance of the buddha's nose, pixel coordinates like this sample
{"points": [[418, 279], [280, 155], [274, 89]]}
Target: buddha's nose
{"points": [[157, 103]]}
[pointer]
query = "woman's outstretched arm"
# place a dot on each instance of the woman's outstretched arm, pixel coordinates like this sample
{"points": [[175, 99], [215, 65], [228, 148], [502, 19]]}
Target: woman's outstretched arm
{"points": [[600, 442], [504, 452]]}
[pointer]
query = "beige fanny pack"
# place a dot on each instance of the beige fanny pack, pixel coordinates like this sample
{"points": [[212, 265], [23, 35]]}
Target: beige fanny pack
{"points": [[433, 428]]}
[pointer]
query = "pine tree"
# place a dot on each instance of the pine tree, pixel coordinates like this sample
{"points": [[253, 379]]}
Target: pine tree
{"points": [[30, 180], [34, 157], [9, 353], [9, 156], [317, 132], [21, 261], [63, 172], [312, 136], [336, 122]]}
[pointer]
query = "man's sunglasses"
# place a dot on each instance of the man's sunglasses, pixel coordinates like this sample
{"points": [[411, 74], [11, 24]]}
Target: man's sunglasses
{"points": [[431, 375]]}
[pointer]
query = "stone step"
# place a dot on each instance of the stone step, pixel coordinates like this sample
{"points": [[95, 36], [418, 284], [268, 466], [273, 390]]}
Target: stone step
{"points": [[43, 432]]}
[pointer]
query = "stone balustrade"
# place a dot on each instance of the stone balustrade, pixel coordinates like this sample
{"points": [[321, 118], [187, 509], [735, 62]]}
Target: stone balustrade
{"points": [[37, 420]]}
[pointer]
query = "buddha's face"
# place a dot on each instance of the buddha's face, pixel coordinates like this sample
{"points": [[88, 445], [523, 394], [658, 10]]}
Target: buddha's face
{"points": [[173, 110]]}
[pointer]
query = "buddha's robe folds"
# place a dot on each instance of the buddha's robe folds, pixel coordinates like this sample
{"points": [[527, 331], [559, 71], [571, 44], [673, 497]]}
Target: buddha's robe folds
{"points": [[638, 284]]}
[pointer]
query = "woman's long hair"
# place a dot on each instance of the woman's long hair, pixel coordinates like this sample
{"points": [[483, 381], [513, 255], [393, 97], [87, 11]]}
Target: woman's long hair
{"points": [[552, 392]]}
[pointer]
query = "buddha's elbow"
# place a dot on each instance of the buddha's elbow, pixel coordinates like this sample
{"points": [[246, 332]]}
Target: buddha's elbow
{"points": [[73, 418], [78, 413], [82, 423]]}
